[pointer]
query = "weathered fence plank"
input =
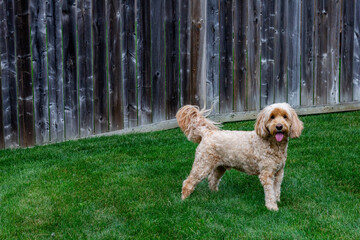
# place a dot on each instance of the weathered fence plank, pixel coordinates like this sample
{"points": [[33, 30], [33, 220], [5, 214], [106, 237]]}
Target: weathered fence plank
{"points": [[280, 51], [157, 59], [86, 114], [185, 37], [116, 110], [253, 73], [356, 67], [129, 62], [197, 57], [240, 27], [347, 51], [212, 55], [144, 61], [70, 69], [327, 28], [23, 66], [8, 81], [293, 68], [172, 57], [39, 63], [225, 71], [267, 52], [307, 53], [99, 66], [2, 140], [55, 67]]}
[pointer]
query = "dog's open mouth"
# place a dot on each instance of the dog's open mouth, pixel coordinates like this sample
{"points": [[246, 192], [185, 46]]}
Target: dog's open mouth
{"points": [[279, 136]]}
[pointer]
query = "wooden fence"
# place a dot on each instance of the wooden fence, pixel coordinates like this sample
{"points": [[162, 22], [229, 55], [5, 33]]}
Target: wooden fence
{"points": [[74, 68]]}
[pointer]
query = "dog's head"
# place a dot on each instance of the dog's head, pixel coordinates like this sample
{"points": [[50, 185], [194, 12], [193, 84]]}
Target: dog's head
{"points": [[279, 121]]}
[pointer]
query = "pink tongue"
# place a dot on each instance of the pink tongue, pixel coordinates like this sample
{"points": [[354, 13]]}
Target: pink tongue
{"points": [[279, 137]]}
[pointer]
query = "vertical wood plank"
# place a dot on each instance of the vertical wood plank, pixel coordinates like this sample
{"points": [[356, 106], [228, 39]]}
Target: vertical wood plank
{"points": [[23, 65], [70, 69], [172, 58], [8, 80], [185, 37], [294, 53], [280, 51], [85, 75], [347, 51], [197, 54], [327, 30], [2, 140], [253, 89], [157, 59], [99, 66], [226, 41], [144, 61], [240, 28], [116, 110], [267, 52], [39, 63], [129, 61], [356, 67], [212, 57], [307, 53], [55, 71]]}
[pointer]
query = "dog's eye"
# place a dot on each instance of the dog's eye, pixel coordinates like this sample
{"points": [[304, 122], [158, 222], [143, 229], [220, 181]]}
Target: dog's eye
{"points": [[272, 116], [285, 116]]}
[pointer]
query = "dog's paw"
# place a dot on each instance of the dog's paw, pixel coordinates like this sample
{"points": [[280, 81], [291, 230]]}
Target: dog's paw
{"points": [[272, 207]]}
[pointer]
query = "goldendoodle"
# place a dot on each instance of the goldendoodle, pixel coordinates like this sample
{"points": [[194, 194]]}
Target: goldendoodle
{"points": [[260, 152]]}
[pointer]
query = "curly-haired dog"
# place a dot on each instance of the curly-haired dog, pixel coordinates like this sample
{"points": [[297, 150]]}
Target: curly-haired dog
{"points": [[261, 152]]}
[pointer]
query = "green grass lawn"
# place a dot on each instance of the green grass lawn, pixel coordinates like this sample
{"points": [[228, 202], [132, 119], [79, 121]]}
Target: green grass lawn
{"points": [[129, 186]]}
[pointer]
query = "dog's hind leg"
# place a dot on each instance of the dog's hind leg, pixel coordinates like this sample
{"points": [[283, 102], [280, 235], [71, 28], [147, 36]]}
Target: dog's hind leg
{"points": [[200, 170], [215, 177]]}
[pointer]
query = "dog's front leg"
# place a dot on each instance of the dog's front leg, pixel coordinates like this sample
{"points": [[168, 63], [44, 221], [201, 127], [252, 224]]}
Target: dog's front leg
{"points": [[267, 180], [277, 184]]}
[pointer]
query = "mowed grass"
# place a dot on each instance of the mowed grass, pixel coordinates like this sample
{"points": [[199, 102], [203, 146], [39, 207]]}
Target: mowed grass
{"points": [[126, 187]]}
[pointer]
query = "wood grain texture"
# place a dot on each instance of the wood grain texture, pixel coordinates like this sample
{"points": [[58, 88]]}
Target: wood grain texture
{"points": [[116, 92], [212, 55], [185, 37], [307, 53], [71, 113], [197, 53], [240, 47], [55, 71], [347, 51], [144, 61], [280, 50], [157, 59], [327, 28], [253, 73], [356, 63], [267, 52], [172, 58], [8, 73], [39, 64], [99, 66], [2, 140], [23, 67], [226, 41], [129, 62], [293, 67], [85, 75]]}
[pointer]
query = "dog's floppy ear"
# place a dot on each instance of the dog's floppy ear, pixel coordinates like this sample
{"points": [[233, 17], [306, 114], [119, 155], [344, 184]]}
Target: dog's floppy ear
{"points": [[296, 125], [260, 125]]}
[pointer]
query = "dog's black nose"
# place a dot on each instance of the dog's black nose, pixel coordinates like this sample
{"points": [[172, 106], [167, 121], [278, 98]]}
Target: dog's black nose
{"points": [[279, 126]]}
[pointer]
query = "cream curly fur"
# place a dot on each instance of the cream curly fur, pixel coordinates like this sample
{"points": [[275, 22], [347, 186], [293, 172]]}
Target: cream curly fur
{"points": [[260, 152]]}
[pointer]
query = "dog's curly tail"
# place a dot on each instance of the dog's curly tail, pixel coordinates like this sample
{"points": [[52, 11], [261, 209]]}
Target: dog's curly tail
{"points": [[193, 122]]}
